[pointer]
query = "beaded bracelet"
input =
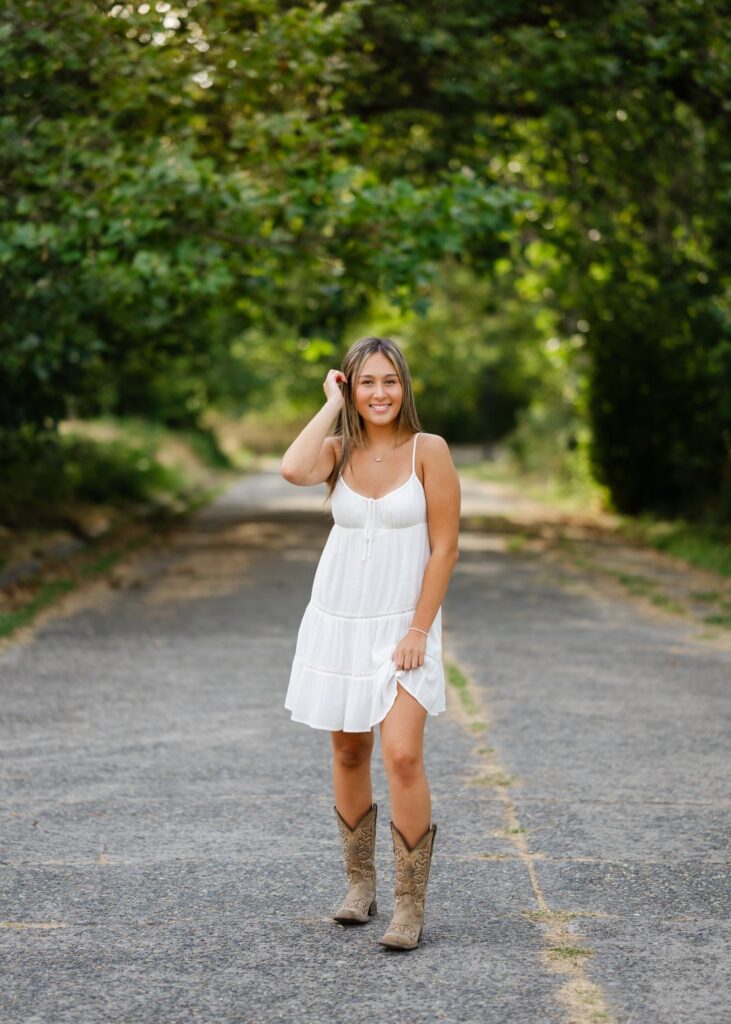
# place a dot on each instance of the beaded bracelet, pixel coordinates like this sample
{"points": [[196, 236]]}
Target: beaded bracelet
{"points": [[424, 631]]}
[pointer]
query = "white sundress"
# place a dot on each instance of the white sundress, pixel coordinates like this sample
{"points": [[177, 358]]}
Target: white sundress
{"points": [[364, 594]]}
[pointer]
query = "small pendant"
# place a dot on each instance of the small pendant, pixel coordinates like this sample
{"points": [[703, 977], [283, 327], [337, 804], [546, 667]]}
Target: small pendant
{"points": [[379, 458]]}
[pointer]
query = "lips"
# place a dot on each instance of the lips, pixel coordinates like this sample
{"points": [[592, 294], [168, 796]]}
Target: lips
{"points": [[380, 408]]}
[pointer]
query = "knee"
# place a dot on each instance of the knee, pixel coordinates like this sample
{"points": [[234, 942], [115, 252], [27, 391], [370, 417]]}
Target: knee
{"points": [[352, 755], [403, 765]]}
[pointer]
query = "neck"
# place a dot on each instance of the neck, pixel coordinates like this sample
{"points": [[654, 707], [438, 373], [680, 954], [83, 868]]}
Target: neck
{"points": [[380, 437]]}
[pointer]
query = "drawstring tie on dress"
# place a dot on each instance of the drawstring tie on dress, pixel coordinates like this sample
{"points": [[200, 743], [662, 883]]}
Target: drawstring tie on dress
{"points": [[369, 531]]}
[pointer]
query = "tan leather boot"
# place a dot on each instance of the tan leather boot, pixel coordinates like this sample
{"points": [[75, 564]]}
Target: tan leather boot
{"points": [[412, 874], [359, 847]]}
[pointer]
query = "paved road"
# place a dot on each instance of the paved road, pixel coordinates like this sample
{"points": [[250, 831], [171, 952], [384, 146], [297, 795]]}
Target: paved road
{"points": [[169, 849]]}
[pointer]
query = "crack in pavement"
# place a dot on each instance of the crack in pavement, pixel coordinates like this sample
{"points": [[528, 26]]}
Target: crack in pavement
{"points": [[581, 998]]}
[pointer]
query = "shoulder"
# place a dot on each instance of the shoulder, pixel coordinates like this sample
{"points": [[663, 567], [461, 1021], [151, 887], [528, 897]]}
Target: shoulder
{"points": [[441, 484], [434, 459], [433, 447]]}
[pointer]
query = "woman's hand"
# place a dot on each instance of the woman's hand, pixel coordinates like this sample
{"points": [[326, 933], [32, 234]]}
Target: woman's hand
{"points": [[410, 650], [331, 387]]}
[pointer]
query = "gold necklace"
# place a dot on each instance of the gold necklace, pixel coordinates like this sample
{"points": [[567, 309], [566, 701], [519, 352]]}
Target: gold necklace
{"points": [[379, 458]]}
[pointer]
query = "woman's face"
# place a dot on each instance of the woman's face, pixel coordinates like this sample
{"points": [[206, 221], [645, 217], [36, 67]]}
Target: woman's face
{"points": [[378, 392]]}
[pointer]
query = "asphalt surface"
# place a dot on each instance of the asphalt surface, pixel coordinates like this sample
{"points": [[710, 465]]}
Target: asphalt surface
{"points": [[169, 850]]}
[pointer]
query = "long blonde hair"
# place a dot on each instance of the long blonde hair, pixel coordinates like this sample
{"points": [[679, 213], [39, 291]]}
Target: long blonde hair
{"points": [[349, 424]]}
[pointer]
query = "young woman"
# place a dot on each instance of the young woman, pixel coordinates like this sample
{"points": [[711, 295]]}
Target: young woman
{"points": [[369, 645]]}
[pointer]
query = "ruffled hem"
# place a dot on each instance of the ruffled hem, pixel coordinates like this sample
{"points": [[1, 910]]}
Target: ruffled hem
{"points": [[355, 703]]}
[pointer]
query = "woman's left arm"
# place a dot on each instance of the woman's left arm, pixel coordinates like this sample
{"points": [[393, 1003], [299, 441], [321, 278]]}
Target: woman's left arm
{"points": [[443, 501]]}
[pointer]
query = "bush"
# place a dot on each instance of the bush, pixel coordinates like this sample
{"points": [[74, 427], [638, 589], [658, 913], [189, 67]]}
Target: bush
{"points": [[43, 477]]}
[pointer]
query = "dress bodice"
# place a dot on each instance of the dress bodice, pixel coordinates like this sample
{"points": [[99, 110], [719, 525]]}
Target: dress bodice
{"points": [[404, 506]]}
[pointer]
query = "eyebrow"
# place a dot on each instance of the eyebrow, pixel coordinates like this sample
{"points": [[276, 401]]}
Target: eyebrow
{"points": [[364, 376]]}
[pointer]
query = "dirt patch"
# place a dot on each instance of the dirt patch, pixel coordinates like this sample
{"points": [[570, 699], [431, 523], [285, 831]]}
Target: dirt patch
{"points": [[213, 563]]}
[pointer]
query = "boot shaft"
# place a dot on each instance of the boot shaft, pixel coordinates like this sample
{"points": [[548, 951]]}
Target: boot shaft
{"points": [[359, 845], [413, 864]]}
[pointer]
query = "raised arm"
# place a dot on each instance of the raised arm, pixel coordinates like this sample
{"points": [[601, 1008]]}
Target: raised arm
{"points": [[311, 456]]}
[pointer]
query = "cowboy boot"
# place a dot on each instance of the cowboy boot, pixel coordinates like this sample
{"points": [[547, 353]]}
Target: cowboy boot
{"points": [[412, 874], [359, 847]]}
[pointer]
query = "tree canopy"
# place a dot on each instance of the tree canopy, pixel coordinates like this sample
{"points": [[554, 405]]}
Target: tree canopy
{"points": [[200, 200]]}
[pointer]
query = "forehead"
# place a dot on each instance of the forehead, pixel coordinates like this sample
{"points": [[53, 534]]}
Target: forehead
{"points": [[377, 365]]}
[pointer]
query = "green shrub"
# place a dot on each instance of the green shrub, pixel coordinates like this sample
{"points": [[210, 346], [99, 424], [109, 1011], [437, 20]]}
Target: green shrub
{"points": [[42, 478]]}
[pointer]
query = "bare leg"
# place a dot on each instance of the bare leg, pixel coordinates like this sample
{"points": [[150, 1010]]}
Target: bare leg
{"points": [[351, 773], [402, 748]]}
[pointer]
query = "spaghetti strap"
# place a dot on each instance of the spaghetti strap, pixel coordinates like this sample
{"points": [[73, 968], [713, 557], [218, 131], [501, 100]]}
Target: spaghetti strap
{"points": [[413, 456]]}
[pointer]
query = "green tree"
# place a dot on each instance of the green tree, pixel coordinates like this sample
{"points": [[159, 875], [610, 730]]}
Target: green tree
{"points": [[179, 181], [199, 200]]}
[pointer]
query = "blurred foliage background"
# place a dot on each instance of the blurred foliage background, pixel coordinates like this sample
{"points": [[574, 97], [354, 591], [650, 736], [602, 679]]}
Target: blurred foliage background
{"points": [[203, 203]]}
